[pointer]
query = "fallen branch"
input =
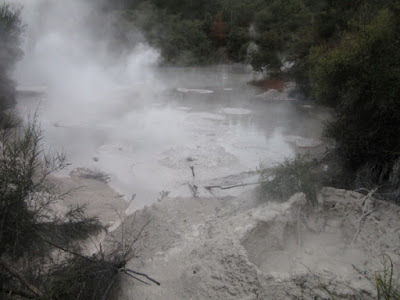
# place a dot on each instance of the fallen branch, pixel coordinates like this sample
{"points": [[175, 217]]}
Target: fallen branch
{"points": [[209, 187], [360, 222], [144, 275], [21, 279], [365, 213]]}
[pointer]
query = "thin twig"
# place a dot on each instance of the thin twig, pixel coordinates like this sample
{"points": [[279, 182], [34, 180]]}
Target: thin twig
{"points": [[364, 213], [136, 238], [68, 251], [360, 223]]}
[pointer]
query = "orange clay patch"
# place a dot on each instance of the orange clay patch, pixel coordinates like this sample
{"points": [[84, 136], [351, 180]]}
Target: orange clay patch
{"points": [[268, 84]]}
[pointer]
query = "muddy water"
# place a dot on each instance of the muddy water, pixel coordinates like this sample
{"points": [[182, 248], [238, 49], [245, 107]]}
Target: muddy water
{"points": [[205, 118]]}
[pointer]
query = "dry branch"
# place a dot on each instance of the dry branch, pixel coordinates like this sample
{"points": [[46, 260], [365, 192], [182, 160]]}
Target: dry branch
{"points": [[134, 277], [144, 275], [209, 187], [365, 213], [136, 238]]}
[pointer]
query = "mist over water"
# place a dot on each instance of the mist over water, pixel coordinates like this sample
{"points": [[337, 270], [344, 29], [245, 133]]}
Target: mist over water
{"points": [[118, 112]]}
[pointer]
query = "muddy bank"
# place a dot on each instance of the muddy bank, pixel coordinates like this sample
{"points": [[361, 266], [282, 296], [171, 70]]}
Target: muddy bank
{"points": [[84, 187], [241, 248]]}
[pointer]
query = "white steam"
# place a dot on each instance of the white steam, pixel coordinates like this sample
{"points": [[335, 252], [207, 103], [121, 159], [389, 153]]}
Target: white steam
{"points": [[107, 109], [67, 50]]}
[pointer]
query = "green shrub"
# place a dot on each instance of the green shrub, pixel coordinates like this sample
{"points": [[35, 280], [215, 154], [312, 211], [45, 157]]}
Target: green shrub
{"points": [[301, 174], [359, 77], [29, 224]]}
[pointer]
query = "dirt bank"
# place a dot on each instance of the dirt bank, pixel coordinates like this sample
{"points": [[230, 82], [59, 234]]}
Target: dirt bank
{"points": [[241, 248], [89, 188]]}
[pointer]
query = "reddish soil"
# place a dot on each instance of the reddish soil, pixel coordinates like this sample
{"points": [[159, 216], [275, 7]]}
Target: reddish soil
{"points": [[268, 84]]}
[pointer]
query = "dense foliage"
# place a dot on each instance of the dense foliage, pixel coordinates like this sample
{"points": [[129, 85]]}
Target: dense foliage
{"points": [[360, 76]]}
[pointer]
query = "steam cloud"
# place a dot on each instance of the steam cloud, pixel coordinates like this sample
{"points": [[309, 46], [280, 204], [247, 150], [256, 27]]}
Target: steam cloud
{"points": [[69, 50]]}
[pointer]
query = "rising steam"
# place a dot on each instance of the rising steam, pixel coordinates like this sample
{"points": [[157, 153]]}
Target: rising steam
{"points": [[70, 51]]}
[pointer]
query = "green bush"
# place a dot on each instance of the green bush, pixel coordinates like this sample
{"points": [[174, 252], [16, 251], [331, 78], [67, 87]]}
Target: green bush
{"points": [[300, 174], [29, 225], [359, 77]]}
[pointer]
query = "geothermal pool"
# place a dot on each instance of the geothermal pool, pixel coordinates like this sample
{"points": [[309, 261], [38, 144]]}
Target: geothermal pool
{"points": [[148, 134]]}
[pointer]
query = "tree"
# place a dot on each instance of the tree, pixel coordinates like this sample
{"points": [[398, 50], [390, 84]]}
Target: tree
{"points": [[359, 76], [11, 29], [185, 42], [28, 221], [217, 30], [280, 27], [237, 42]]}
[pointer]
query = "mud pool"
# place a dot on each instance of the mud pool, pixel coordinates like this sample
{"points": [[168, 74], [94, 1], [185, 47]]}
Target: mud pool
{"points": [[147, 136]]}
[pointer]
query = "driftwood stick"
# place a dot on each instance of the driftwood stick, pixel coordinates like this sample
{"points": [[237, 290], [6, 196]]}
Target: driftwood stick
{"points": [[209, 187], [21, 279]]}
